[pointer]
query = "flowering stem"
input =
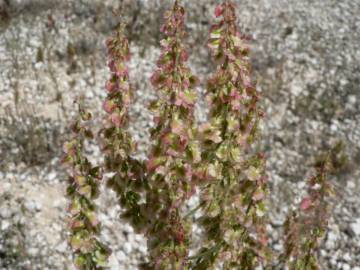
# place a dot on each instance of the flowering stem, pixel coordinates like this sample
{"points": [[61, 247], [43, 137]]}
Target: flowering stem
{"points": [[83, 189]]}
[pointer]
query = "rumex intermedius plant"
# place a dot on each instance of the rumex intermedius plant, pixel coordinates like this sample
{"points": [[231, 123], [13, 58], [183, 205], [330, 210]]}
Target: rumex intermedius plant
{"points": [[218, 161], [233, 172], [83, 189], [305, 227], [117, 144], [175, 150]]}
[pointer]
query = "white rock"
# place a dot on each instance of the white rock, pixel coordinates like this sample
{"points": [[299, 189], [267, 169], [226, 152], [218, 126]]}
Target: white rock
{"points": [[143, 249], [127, 228], [113, 263], [5, 213], [346, 257], [52, 176], [333, 127], [355, 227], [120, 255], [30, 206], [352, 99], [128, 248], [38, 205], [62, 247], [346, 266], [4, 225], [33, 251], [331, 240]]}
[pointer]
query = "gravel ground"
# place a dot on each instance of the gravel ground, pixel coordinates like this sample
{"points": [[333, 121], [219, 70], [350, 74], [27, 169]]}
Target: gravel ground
{"points": [[306, 57]]}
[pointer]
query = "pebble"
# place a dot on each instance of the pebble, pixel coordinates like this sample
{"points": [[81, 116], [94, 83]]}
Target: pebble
{"points": [[33, 251], [5, 224], [62, 247], [5, 213], [355, 227], [120, 255], [331, 240], [30, 206], [52, 176], [128, 248]]}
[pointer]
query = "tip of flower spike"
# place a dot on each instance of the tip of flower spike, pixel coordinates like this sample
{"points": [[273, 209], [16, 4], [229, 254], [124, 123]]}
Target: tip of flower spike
{"points": [[219, 10]]}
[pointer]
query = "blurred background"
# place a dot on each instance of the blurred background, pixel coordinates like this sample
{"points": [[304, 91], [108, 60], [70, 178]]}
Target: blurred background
{"points": [[306, 59]]}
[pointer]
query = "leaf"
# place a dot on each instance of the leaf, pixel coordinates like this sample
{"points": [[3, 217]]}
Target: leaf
{"points": [[121, 69], [252, 173], [85, 191], [70, 147], [209, 132], [237, 41], [100, 258], [215, 34], [75, 207], [77, 224], [92, 218], [96, 172], [154, 162], [233, 124], [222, 152], [236, 154], [76, 242], [214, 44], [186, 98], [80, 261], [177, 126], [214, 170], [258, 195], [214, 209], [88, 134], [195, 152], [260, 210], [80, 180], [194, 81]]}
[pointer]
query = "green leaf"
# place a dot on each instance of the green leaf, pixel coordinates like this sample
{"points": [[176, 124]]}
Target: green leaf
{"points": [[252, 173], [85, 191], [195, 152], [76, 241], [80, 180], [236, 154]]}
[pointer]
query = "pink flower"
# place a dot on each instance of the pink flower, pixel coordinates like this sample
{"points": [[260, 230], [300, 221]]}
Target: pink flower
{"points": [[109, 106], [110, 86], [184, 56], [219, 11], [305, 204], [117, 119]]}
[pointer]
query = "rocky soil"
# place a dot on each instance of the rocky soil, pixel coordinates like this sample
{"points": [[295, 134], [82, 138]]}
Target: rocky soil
{"points": [[306, 57]]}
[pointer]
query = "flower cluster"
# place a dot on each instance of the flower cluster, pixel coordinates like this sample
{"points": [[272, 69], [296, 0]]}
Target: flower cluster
{"points": [[127, 179], [169, 167], [83, 189], [304, 228], [231, 171]]}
